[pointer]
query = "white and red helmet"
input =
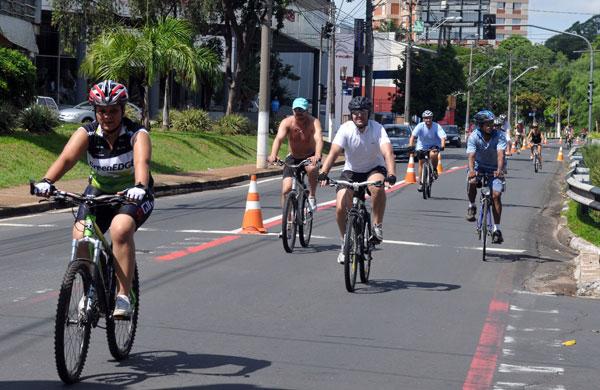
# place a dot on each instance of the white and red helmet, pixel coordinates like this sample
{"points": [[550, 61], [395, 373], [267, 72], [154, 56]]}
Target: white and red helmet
{"points": [[108, 93]]}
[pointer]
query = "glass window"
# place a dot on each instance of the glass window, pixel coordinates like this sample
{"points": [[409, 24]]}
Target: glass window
{"points": [[500, 20], [501, 5], [499, 37], [517, 5], [508, 6]]}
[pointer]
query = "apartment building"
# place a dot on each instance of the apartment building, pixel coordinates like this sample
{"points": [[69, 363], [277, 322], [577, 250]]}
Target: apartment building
{"points": [[510, 12]]}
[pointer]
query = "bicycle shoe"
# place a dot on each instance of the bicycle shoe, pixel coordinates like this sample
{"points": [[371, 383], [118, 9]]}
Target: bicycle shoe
{"points": [[122, 307], [378, 233], [471, 211], [341, 257], [312, 204], [435, 174], [420, 187], [497, 237]]}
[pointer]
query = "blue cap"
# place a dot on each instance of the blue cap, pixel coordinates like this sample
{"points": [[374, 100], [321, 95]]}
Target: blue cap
{"points": [[300, 103]]}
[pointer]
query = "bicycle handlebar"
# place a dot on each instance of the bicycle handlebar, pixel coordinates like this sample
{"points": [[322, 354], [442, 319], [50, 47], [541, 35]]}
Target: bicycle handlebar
{"points": [[300, 164], [81, 198], [355, 185]]}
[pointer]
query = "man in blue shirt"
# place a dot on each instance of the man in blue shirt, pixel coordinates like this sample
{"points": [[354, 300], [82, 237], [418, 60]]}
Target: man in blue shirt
{"points": [[430, 137], [485, 150]]}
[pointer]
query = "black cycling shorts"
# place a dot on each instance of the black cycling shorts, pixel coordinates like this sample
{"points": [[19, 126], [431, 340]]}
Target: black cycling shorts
{"points": [[105, 213], [361, 176], [289, 172]]}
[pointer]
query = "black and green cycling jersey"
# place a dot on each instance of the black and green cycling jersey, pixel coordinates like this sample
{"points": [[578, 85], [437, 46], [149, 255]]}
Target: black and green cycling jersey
{"points": [[112, 169]]}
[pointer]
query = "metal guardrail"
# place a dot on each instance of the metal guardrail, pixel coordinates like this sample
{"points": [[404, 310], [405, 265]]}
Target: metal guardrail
{"points": [[578, 179]]}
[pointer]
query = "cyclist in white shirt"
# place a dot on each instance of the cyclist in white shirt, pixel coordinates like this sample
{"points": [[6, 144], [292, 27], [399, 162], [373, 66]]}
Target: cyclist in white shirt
{"points": [[369, 156], [431, 138]]}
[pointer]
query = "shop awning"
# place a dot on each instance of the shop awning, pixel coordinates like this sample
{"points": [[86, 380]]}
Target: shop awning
{"points": [[19, 32]]}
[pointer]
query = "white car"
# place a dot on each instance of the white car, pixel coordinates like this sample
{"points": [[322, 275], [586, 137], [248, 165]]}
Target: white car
{"points": [[47, 101], [84, 113]]}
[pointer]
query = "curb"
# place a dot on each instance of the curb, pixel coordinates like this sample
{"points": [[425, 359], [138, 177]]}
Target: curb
{"points": [[587, 262]]}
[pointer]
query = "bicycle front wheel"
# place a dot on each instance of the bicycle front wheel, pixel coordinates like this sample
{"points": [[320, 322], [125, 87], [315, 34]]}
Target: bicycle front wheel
{"points": [[352, 253], [429, 180], [120, 333], [484, 226], [288, 223], [536, 164], [72, 327], [425, 179], [365, 263], [305, 223]]}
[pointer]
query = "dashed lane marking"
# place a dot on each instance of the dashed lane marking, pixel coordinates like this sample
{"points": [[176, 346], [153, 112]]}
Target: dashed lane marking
{"points": [[517, 308], [512, 368]]}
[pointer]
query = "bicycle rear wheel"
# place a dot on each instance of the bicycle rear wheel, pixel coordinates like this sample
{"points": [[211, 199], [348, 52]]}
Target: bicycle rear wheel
{"points": [[120, 333], [536, 163], [305, 223], [351, 253], [365, 263], [484, 226], [288, 223], [72, 327]]}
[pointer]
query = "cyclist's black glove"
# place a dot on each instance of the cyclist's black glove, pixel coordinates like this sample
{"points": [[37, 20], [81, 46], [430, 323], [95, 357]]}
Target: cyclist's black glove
{"points": [[323, 177], [43, 188], [391, 179]]}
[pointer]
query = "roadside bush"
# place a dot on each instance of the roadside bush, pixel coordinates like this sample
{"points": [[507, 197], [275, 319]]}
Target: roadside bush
{"points": [[234, 124], [38, 119], [7, 118], [190, 120], [17, 78], [591, 158]]}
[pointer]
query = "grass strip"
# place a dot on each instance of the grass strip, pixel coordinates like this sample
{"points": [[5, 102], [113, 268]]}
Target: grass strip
{"points": [[584, 225]]}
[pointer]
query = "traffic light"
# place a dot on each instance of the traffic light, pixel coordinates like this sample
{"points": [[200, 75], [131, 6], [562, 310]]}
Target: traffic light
{"points": [[489, 31], [323, 92], [327, 29]]}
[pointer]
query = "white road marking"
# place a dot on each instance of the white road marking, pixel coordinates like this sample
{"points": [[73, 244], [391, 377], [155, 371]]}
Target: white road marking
{"points": [[410, 243], [508, 340], [517, 308], [535, 293], [508, 352], [43, 291], [511, 368], [27, 225], [512, 328], [509, 385], [488, 249]]}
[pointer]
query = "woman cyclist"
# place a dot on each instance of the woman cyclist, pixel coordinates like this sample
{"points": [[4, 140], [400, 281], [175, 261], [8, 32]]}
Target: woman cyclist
{"points": [[535, 139], [118, 153]]}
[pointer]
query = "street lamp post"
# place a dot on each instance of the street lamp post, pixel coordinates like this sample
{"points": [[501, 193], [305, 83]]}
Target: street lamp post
{"points": [[470, 84], [510, 82], [343, 70]]}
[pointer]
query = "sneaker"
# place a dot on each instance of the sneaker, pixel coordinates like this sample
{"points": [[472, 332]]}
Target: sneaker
{"points": [[312, 204], [471, 211], [378, 232], [341, 257], [435, 174], [497, 237], [420, 187], [122, 307], [531, 157]]}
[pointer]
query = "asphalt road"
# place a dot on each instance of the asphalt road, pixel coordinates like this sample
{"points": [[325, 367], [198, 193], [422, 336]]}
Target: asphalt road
{"points": [[226, 311]]}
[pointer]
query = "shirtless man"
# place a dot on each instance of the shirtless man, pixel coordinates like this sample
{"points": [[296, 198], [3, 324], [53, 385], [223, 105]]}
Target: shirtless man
{"points": [[304, 135]]}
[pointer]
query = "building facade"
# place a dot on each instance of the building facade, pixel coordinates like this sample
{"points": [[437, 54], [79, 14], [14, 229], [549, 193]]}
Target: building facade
{"points": [[510, 12]]}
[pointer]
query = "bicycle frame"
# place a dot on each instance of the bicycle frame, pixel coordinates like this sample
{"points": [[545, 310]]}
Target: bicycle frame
{"points": [[486, 202]]}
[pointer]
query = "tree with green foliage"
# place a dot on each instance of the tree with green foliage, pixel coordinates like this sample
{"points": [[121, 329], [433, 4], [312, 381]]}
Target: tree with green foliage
{"points": [[157, 50], [240, 20], [17, 78], [568, 44], [433, 78]]}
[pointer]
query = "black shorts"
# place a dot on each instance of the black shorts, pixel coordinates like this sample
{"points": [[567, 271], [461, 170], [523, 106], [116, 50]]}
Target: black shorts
{"points": [[106, 213], [361, 176], [289, 172]]}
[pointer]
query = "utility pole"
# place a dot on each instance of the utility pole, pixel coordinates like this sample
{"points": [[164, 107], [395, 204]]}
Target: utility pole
{"points": [[320, 86], [407, 66], [467, 113], [510, 80], [331, 75], [264, 90], [369, 50]]}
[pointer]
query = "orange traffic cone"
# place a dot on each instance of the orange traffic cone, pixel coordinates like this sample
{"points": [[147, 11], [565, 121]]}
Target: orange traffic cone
{"points": [[524, 146], [410, 171], [514, 149], [560, 155], [440, 168], [253, 221]]}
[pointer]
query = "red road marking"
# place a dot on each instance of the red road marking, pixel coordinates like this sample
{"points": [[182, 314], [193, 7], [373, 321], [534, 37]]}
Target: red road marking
{"points": [[194, 249], [483, 365]]}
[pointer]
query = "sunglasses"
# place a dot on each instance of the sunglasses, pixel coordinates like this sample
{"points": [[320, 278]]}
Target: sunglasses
{"points": [[358, 112], [299, 110]]}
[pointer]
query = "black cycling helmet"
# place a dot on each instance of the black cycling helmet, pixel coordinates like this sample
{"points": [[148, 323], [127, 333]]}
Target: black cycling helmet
{"points": [[359, 103], [484, 116]]}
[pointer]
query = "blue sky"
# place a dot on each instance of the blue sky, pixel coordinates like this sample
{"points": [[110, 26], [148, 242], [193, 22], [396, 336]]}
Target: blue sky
{"points": [[558, 15]]}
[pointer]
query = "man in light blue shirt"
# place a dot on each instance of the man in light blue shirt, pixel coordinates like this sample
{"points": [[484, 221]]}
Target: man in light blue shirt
{"points": [[485, 150], [431, 138]]}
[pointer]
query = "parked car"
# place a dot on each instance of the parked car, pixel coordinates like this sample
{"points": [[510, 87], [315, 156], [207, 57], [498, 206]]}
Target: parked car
{"points": [[47, 101], [84, 113], [399, 136], [452, 135]]}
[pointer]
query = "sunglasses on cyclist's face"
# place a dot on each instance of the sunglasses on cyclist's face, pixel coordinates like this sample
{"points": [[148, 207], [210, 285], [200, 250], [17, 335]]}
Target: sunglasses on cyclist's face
{"points": [[299, 110], [359, 112]]}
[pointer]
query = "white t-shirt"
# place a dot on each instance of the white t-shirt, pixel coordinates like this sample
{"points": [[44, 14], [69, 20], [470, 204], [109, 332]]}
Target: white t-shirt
{"points": [[362, 150]]}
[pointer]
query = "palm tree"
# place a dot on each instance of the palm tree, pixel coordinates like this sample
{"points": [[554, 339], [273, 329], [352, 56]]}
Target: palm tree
{"points": [[157, 50]]}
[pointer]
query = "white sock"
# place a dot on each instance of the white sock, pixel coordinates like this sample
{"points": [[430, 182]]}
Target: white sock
{"points": [[496, 227], [471, 204]]}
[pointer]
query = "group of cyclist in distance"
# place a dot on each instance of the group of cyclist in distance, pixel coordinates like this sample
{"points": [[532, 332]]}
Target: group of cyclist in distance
{"points": [[119, 153]]}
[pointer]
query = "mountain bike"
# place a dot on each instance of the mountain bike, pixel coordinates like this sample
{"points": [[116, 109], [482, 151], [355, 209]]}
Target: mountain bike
{"points": [[537, 162], [428, 173], [569, 142], [518, 143], [88, 292], [359, 240], [297, 215], [485, 225]]}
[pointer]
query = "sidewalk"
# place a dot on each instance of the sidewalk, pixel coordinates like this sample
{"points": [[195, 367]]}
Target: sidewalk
{"points": [[15, 201]]}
